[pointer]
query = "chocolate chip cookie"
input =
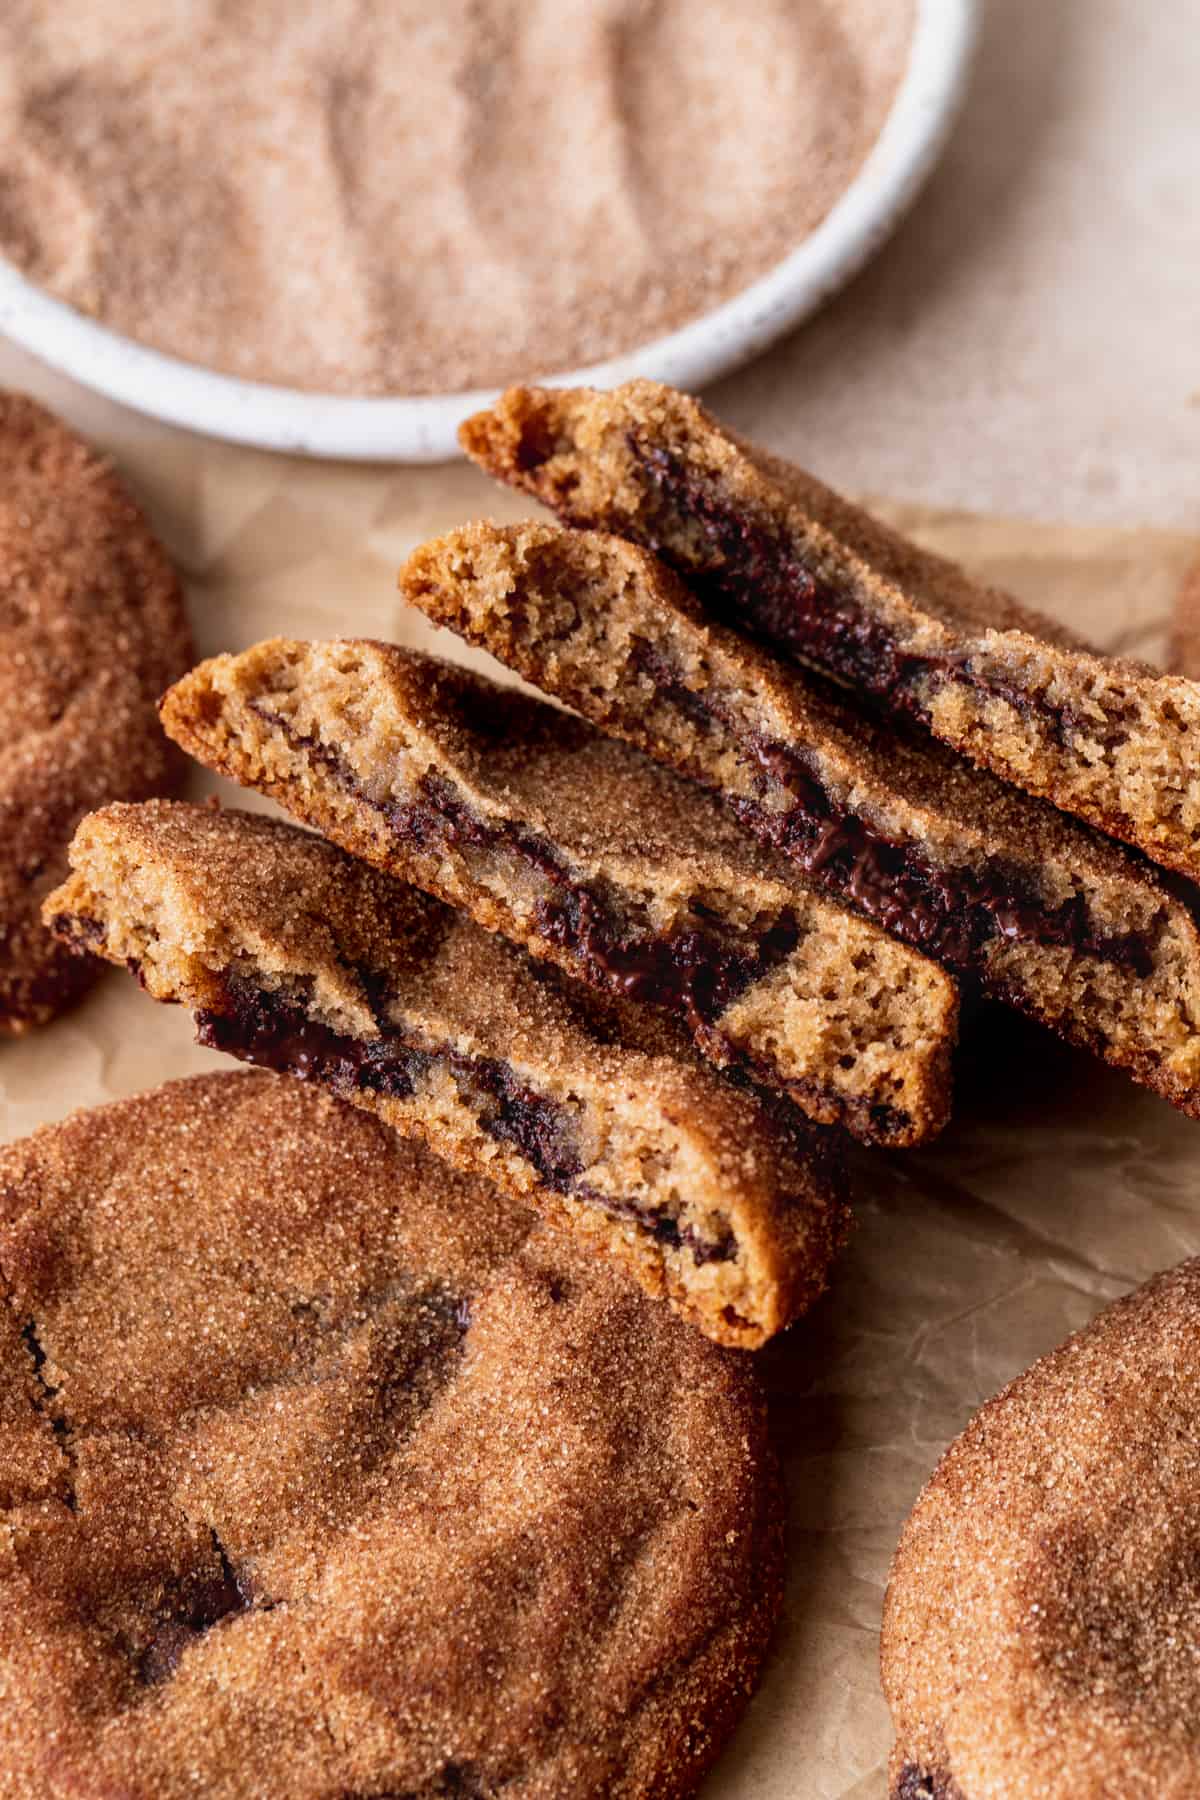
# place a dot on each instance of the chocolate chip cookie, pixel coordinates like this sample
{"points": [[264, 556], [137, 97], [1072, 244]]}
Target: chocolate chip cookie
{"points": [[583, 850], [1059, 921], [328, 1472], [771, 550], [1043, 1612], [92, 629], [294, 955]]}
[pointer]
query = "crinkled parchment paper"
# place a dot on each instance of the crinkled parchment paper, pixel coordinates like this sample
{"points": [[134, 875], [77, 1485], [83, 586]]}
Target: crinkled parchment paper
{"points": [[1058, 1185]]}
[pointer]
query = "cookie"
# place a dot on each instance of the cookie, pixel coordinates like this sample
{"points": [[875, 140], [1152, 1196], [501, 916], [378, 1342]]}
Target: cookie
{"points": [[769, 549], [590, 855], [327, 1472], [298, 957], [1043, 1612], [92, 628], [1064, 924]]}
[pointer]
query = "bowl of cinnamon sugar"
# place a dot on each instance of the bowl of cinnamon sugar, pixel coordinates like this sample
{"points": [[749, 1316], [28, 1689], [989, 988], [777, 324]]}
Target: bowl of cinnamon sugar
{"points": [[337, 231]]}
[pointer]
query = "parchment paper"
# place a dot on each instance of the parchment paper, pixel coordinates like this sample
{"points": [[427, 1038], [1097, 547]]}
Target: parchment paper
{"points": [[1057, 1187]]}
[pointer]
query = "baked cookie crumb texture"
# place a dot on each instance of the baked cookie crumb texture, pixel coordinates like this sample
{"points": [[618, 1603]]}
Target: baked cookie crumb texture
{"points": [[293, 955], [590, 855], [1052, 917], [92, 628], [771, 550], [326, 1471], [1043, 1608]]}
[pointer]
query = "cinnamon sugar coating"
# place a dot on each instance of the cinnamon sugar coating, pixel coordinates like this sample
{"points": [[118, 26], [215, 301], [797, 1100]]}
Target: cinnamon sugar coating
{"points": [[92, 628], [774, 552], [1043, 1611], [297, 956], [589, 854], [1067, 925], [326, 1471]]}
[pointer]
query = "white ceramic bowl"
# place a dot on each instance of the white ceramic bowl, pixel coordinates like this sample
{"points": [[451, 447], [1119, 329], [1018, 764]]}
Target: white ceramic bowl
{"points": [[422, 428]]}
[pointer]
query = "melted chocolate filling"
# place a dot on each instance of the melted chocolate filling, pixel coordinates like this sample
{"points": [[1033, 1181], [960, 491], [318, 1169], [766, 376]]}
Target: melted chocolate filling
{"points": [[690, 971], [951, 914], [757, 582], [275, 1032], [695, 971]]}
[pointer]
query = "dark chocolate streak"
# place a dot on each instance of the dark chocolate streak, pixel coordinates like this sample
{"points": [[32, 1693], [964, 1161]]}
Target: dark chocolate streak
{"points": [[757, 582], [46, 1395], [274, 1032], [696, 972], [951, 914], [916, 1783]]}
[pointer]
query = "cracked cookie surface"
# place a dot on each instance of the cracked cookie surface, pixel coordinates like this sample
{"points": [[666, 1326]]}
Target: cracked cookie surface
{"points": [[589, 854], [293, 955], [1050, 916], [328, 1471], [1043, 1610], [771, 550], [92, 628]]}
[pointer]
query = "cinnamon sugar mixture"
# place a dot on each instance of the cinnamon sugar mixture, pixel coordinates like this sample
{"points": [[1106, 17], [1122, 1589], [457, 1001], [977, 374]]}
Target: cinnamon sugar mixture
{"points": [[383, 196]]}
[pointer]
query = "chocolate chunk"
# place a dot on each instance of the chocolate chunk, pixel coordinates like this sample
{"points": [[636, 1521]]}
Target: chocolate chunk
{"points": [[916, 1783]]}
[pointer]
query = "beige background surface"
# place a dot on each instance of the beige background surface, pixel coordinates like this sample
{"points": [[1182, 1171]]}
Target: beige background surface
{"points": [[1027, 346]]}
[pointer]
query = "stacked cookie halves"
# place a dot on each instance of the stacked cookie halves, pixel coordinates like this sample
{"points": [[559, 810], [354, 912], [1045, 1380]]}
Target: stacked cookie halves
{"points": [[630, 961]]}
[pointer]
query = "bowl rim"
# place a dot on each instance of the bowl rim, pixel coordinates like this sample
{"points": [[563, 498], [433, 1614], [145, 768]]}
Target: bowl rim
{"points": [[422, 428]]}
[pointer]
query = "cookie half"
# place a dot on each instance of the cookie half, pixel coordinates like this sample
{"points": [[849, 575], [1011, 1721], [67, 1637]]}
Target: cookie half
{"points": [[326, 1471], [590, 855], [92, 629], [1068, 926], [1043, 1611], [294, 955], [769, 549]]}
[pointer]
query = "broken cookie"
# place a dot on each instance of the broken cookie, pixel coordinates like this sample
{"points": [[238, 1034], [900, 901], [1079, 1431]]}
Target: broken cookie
{"points": [[771, 550], [590, 855], [297, 957], [1052, 917]]}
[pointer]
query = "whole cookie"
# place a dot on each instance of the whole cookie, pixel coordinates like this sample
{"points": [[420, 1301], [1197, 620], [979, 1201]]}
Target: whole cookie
{"points": [[1042, 1622], [326, 1471], [92, 629]]}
